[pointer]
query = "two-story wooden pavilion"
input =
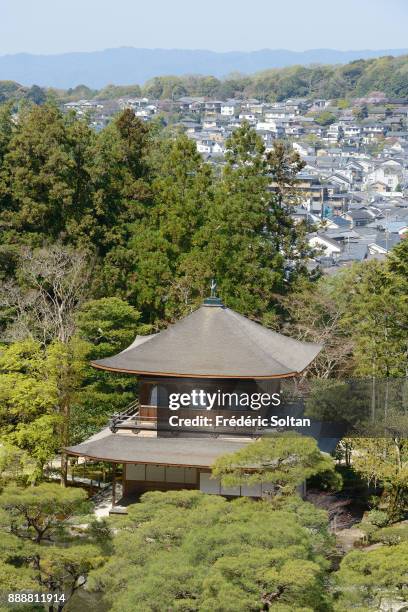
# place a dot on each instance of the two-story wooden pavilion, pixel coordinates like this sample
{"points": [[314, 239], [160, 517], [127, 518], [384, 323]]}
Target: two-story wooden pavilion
{"points": [[212, 347]]}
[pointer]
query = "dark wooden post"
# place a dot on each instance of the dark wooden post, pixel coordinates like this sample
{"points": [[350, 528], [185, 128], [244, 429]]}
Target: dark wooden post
{"points": [[64, 469], [113, 485]]}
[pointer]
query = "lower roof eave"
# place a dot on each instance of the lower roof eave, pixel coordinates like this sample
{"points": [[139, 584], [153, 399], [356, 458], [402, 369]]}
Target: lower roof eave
{"points": [[110, 460], [188, 452]]}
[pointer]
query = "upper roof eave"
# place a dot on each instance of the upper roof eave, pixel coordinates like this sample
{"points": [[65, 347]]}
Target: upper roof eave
{"points": [[214, 342], [248, 376]]}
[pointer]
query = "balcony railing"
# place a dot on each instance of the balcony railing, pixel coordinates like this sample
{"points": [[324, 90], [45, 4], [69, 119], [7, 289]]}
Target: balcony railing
{"points": [[131, 419], [124, 419]]}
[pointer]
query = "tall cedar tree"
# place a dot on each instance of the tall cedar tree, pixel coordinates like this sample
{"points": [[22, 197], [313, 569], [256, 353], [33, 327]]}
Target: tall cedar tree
{"points": [[248, 236], [122, 196], [181, 188], [43, 177]]}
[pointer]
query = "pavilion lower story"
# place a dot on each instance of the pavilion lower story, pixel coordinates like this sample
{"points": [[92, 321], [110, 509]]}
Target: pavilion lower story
{"points": [[163, 464], [142, 477]]}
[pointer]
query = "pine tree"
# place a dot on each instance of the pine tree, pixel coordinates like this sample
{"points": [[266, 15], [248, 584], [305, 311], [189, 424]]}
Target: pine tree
{"points": [[38, 545], [249, 239]]}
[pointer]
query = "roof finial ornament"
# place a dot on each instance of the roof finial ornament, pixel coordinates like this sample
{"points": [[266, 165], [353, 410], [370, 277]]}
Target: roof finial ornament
{"points": [[213, 300], [213, 287]]}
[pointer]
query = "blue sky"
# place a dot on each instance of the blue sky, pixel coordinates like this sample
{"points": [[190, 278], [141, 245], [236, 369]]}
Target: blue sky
{"points": [[55, 26]]}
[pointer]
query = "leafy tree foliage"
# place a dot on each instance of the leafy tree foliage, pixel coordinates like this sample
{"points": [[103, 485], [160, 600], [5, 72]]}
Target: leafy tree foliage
{"points": [[29, 392], [120, 193], [109, 325], [6, 129], [249, 236], [372, 580], [37, 386], [236, 241], [36, 95], [360, 315], [38, 545], [315, 312], [379, 315], [163, 239], [105, 326], [325, 118], [190, 551], [16, 465], [40, 177], [385, 462], [283, 462], [35, 512], [51, 396], [152, 220], [397, 264]]}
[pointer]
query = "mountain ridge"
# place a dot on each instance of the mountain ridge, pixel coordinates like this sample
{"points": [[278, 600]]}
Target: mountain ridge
{"points": [[131, 65]]}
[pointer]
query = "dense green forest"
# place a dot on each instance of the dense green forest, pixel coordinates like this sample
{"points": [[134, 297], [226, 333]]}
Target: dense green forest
{"points": [[386, 74], [106, 235], [112, 234]]}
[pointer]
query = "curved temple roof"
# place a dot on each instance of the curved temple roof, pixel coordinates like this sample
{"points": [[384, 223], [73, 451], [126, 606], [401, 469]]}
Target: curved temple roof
{"points": [[214, 342], [193, 452]]}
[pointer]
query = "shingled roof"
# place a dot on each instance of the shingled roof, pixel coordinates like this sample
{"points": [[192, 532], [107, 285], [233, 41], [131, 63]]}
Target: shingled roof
{"points": [[214, 342], [192, 452]]}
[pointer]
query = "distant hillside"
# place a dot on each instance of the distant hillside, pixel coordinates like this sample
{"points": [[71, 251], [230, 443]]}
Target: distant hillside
{"points": [[126, 66], [358, 78], [386, 74]]}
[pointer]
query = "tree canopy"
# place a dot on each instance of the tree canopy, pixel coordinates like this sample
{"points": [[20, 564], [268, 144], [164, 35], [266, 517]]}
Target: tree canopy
{"points": [[282, 462], [40, 549], [193, 551]]}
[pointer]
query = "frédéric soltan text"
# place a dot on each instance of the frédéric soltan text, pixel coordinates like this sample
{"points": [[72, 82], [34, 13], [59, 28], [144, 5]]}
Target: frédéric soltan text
{"points": [[238, 421]]}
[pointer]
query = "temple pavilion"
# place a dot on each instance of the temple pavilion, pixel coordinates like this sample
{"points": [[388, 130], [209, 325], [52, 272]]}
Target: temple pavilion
{"points": [[212, 348]]}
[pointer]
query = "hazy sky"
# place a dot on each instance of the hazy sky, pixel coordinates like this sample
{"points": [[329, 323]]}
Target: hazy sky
{"points": [[55, 26]]}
